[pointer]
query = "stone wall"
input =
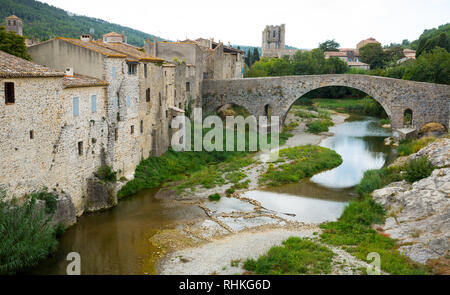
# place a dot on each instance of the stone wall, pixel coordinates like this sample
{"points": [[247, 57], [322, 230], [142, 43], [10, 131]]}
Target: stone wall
{"points": [[428, 102]]}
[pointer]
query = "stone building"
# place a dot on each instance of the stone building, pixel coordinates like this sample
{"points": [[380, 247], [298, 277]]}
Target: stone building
{"points": [[137, 96], [273, 42], [365, 42], [205, 59], [350, 56], [14, 24], [53, 131]]}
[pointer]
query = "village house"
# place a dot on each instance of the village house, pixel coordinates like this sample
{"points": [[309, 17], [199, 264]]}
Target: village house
{"points": [[350, 56], [137, 96], [52, 129]]}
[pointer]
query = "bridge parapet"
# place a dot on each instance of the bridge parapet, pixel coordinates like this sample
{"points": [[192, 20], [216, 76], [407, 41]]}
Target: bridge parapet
{"points": [[428, 102]]}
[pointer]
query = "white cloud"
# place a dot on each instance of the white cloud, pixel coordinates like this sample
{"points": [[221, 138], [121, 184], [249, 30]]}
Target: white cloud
{"points": [[308, 22]]}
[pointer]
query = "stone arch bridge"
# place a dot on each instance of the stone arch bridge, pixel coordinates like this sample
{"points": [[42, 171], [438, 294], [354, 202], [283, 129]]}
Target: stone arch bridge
{"points": [[428, 102]]}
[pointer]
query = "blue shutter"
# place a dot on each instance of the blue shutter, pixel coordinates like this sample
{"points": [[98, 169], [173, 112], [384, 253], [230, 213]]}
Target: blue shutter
{"points": [[94, 103], [116, 101], [128, 101], [114, 73], [76, 106]]}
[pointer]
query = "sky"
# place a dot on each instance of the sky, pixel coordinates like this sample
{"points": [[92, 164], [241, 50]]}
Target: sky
{"points": [[308, 22]]}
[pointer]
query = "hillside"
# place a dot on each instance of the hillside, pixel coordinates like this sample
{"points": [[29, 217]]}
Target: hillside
{"points": [[43, 21], [432, 33]]}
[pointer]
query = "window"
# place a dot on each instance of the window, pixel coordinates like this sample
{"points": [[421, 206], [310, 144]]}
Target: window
{"points": [[132, 129], [167, 114], [166, 90], [116, 134], [188, 86], [9, 93], [31, 134], [145, 70], [132, 69], [76, 106], [160, 102], [128, 101], [175, 93], [80, 148], [116, 102], [94, 103], [114, 73], [147, 94], [142, 126], [205, 75], [408, 117], [274, 33]]}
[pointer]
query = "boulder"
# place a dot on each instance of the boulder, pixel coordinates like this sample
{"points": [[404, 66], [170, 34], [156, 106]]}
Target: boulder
{"points": [[101, 194]]}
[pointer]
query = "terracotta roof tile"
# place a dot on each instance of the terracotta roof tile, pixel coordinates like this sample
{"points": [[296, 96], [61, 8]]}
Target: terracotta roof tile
{"points": [[112, 34], [13, 17], [132, 53], [94, 46], [14, 67], [78, 80]]}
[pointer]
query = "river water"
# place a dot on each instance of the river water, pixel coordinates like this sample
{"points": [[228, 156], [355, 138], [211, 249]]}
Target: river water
{"points": [[360, 142], [117, 241]]}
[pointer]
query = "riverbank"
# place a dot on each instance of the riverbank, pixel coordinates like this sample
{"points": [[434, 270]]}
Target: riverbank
{"points": [[241, 224]]}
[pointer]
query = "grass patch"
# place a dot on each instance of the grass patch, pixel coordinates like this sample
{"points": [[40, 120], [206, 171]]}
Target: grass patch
{"points": [[319, 126], [418, 169], [106, 173], [235, 177], [353, 232], [385, 122], [364, 106], [408, 146], [304, 161], [214, 197], [295, 256], [27, 235], [305, 114]]}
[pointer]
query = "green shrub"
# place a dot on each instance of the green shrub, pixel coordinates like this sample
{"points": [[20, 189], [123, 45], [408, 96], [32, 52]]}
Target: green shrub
{"points": [[376, 179], [214, 197], [304, 161], [230, 191], [408, 146], [51, 200], [107, 174], [305, 114], [27, 235], [417, 169], [385, 122], [319, 126], [295, 256]]}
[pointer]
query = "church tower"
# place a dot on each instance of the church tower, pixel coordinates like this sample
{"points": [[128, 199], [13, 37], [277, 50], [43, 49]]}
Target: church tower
{"points": [[14, 24], [273, 40]]}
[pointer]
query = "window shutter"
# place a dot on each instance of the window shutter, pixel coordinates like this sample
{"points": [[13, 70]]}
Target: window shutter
{"points": [[76, 107], [94, 103]]}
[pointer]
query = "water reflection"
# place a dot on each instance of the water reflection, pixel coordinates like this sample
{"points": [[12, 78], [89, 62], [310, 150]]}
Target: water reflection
{"points": [[117, 241], [360, 144]]}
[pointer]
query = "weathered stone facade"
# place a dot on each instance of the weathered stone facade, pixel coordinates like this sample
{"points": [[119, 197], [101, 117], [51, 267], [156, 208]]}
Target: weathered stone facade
{"points": [[273, 42], [428, 102]]}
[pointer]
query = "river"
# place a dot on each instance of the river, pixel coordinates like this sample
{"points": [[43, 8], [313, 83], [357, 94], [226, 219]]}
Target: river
{"points": [[117, 241]]}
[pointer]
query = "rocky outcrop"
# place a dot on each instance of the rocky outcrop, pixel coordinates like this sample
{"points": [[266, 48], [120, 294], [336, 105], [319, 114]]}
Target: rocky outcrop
{"points": [[101, 195], [438, 152], [65, 213], [418, 214]]}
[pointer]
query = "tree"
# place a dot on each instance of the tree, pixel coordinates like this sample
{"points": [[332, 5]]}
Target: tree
{"points": [[372, 54], [406, 43], [13, 44], [329, 45], [248, 58], [393, 54], [255, 55], [431, 67]]}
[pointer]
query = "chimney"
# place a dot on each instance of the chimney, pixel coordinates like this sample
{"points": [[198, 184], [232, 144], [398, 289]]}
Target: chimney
{"points": [[69, 72], [86, 37]]}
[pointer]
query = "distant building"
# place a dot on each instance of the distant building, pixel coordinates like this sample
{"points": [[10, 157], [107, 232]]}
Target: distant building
{"points": [[365, 42], [14, 24], [273, 42], [409, 55], [349, 56]]}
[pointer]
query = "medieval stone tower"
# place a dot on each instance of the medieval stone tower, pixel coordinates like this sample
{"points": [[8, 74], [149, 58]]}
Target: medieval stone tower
{"points": [[14, 24], [273, 40]]}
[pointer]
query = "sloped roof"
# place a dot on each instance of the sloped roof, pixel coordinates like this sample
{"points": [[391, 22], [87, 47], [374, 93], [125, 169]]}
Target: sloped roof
{"points": [[13, 17], [78, 80], [112, 34], [14, 67], [132, 53], [94, 46]]}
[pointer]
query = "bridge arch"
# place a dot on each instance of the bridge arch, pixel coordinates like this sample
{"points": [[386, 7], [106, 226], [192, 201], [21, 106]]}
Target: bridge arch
{"points": [[428, 101], [380, 100]]}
